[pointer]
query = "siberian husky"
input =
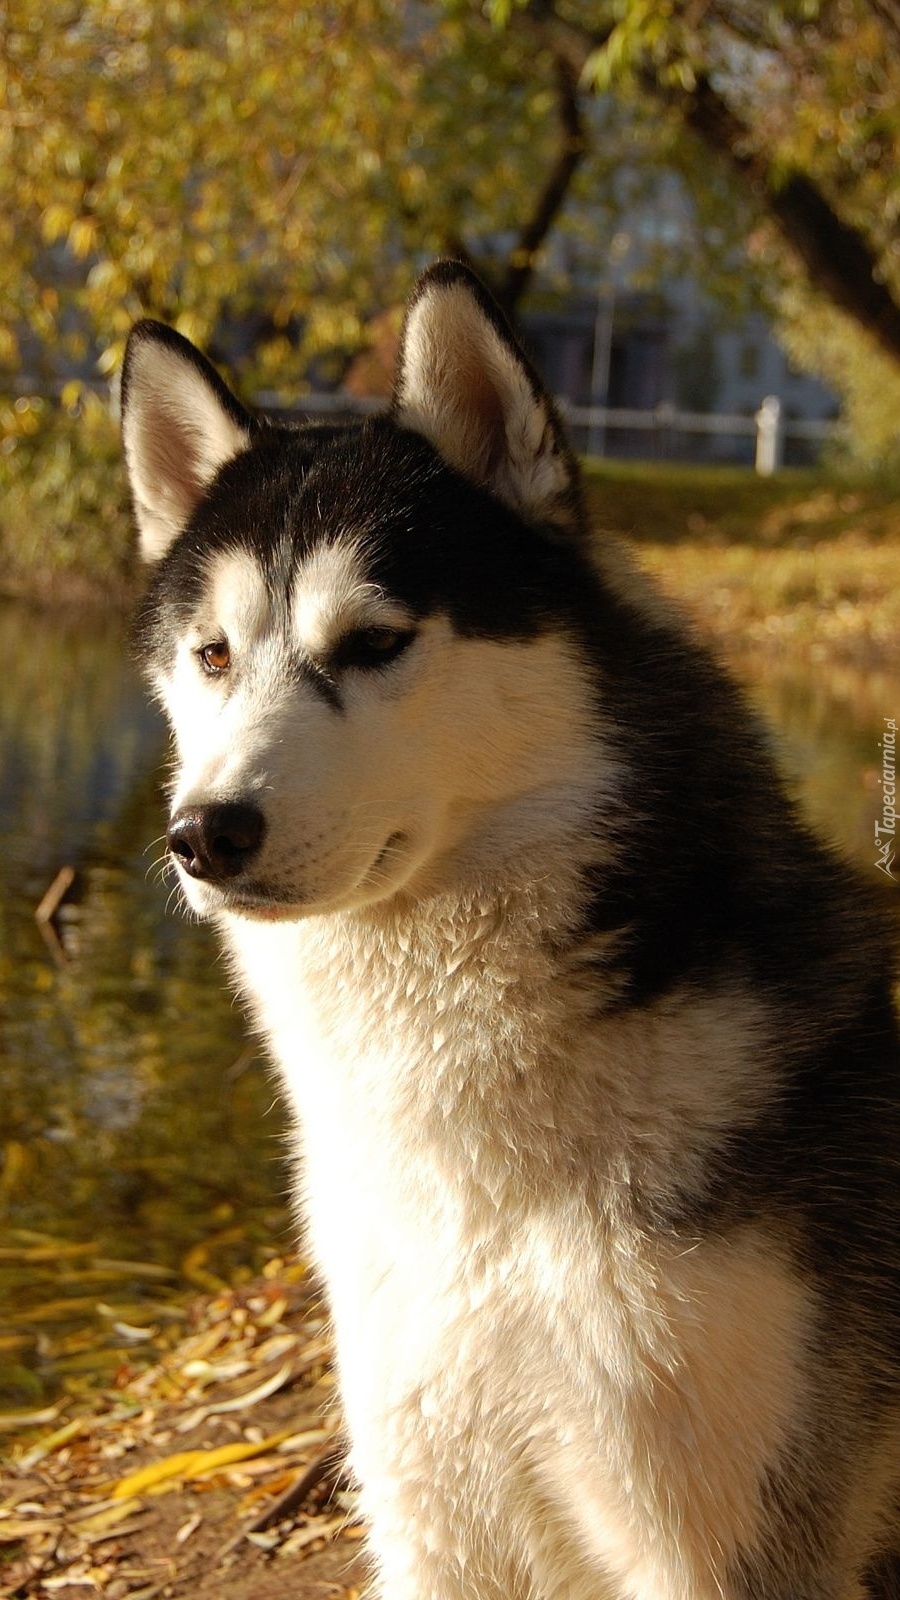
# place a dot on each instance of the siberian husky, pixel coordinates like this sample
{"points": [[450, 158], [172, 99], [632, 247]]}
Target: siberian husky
{"points": [[590, 1045]]}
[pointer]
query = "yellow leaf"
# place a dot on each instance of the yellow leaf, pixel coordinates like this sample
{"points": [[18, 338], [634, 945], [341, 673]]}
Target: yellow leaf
{"points": [[58, 1250], [53, 1441], [108, 359], [55, 222], [252, 1397], [193, 328], [17, 1162], [100, 1521], [12, 1529], [16, 1421], [187, 1464], [317, 1529], [273, 1313], [9, 347], [193, 1267], [56, 1310], [81, 236]]}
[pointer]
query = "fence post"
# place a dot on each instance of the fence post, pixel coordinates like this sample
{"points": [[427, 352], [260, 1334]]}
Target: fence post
{"points": [[769, 436]]}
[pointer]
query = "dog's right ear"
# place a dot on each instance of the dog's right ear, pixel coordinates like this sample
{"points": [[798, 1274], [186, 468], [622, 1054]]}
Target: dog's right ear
{"points": [[180, 424]]}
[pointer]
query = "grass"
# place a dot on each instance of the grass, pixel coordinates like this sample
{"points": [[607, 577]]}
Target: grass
{"points": [[666, 503], [797, 565]]}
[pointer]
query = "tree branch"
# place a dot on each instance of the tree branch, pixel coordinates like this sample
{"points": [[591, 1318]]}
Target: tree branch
{"points": [[520, 266], [836, 256]]}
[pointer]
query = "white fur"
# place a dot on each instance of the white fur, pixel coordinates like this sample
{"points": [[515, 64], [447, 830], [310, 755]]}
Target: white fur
{"points": [[516, 1352], [333, 596], [177, 434]]}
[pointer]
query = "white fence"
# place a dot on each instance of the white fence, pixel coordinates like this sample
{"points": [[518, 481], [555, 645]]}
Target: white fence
{"points": [[769, 430]]}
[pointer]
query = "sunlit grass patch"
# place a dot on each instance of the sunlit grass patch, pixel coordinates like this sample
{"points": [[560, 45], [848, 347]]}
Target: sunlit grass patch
{"points": [[663, 503], [840, 600], [797, 564]]}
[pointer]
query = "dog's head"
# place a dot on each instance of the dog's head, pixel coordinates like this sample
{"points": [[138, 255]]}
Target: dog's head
{"points": [[366, 637]]}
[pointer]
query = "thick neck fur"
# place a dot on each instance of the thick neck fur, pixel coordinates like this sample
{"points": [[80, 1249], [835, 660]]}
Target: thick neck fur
{"points": [[461, 1033]]}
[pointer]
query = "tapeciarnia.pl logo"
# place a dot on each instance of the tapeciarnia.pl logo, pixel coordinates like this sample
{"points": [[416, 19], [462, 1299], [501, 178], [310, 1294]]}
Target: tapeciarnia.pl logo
{"points": [[884, 830]]}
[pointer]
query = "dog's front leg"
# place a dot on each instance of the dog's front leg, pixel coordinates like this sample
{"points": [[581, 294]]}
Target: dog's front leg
{"points": [[422, 1557], [473, 1526], [441, 1522]]}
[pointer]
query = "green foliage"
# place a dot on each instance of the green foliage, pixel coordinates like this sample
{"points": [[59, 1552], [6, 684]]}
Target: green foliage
{"points": [[64, 523], [816, 90], [821, 341], [194, 162], [817, 87], [277, 173], [295, 164]]}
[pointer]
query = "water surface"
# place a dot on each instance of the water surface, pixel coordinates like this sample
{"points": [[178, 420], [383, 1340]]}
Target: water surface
{"points": [[133, 1117]]}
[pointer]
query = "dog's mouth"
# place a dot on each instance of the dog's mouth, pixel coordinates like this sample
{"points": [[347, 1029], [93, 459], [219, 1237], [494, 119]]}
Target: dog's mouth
{"points": [[264, 910], [256, 902], [276, 903], [388, 855]]}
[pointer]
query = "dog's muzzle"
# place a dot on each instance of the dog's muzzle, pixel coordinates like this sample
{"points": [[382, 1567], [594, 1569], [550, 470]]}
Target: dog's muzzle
{"points": [[216, 843]]}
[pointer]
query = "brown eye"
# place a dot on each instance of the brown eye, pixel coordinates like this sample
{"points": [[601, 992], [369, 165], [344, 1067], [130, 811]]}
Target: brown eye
{"points": [[216, 657]]}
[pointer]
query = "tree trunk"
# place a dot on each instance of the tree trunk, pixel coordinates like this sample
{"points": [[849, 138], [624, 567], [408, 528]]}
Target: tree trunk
{"points": [[837, 257]]}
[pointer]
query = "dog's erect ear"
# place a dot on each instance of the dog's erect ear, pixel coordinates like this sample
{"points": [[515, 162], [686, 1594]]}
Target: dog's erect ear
{"points": [[463, 383], [180, 424]]}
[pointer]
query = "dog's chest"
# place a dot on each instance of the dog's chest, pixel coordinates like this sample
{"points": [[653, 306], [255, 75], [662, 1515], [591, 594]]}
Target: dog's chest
{"points": [[494, 1297], [422, 1074]]}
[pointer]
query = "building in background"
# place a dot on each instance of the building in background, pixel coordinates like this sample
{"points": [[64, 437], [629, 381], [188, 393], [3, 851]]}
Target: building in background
{"points": [[672, 350]]}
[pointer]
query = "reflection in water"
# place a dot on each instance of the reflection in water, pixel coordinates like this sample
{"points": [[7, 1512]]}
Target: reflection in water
{"points": [[826, 726], [132, 1116], [133, 1119]]}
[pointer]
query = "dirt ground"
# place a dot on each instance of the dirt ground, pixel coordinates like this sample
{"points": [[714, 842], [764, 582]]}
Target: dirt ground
{"points": [[213, 1473]]}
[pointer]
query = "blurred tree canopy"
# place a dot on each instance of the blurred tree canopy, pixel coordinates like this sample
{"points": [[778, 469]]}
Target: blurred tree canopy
{"points": [[192, 162], [296, 163], [798, 100]]}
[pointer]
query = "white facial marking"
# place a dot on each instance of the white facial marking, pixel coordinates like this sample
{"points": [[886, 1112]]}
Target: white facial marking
{"points": [[239, 609], [214, 717], [334, 597]]}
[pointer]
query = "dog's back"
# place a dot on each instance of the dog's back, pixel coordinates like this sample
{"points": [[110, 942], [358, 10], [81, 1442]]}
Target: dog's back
{"points": [[591, 1045]]}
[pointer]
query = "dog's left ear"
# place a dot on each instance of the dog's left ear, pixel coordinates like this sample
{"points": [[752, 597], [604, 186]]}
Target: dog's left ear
{"points": [[463, 383]]}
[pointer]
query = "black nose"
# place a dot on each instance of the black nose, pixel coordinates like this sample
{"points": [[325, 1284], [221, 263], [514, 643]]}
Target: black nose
{"points": [[216, 842]]}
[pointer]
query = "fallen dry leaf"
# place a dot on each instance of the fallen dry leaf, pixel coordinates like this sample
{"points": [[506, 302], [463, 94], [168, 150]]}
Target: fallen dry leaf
{"points": [[188, 1464]]}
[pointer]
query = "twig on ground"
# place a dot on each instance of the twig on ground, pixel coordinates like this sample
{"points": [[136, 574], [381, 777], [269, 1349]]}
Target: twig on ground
{"points": [[328, 1463]]}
